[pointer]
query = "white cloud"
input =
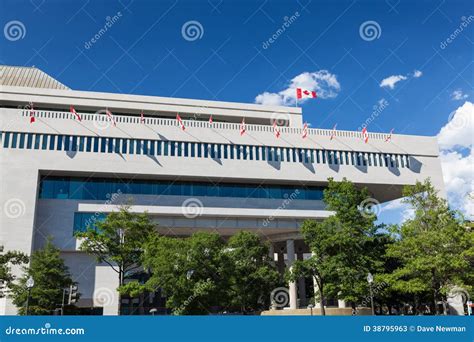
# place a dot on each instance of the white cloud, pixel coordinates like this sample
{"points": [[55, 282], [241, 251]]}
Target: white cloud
{"points": [[455, 140], [392, 80], [458, 132], [458, 95], [323, 82], [458, 174]]}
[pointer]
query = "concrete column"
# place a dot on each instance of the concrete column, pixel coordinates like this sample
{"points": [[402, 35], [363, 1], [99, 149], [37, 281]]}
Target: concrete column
{"points": [[316, 291], [341, 303], [290, 252], [271, 252]]}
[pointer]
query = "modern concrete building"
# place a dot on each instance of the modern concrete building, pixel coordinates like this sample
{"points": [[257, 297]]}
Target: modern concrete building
{"points": [[58, 173]]}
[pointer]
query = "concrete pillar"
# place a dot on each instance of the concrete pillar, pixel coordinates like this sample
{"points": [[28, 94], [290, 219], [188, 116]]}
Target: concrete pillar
{"points": [[271, 252], [341, 303], [316, 291], [290, 252]]}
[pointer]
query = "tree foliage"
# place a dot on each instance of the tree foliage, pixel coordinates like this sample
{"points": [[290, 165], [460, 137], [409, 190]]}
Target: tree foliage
{"points": [[7, 259], [203, 274], [51, 277], [253, 275], [344, 245], [119, 242], [435, 248]]}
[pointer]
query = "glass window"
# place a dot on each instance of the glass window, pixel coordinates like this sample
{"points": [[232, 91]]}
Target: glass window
{"points": [[59, 146], [37, 139], [14, 140], [29, 141], [226, 151], [110, 143], [96, 144], [81, 144], [102, 189], [74, 143], [103, 144], [160, 148], [193, 150], [22, 140], [67, 143], [44, 143], [6, 139], [52, 142], [186, 149], [88, 144]]}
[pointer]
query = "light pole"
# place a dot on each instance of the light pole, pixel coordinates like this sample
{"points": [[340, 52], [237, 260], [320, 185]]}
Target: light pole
{"points": [[30, 282], [370, 280]]}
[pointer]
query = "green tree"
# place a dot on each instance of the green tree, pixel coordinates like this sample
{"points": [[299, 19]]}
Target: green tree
{"points": [[51, 277], [342, 244], [435, 248], [7, 259], [252, 275], [119, 242], [191, 271]]}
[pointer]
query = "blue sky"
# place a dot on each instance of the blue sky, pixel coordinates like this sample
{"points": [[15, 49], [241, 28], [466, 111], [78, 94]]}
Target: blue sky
{"points": [[144, 52]]}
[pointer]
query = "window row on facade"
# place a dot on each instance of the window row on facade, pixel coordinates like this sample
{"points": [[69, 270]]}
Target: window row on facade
{"points": [[109, 189], [200, 150]]}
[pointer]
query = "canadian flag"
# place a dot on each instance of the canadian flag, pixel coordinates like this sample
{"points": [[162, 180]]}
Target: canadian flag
{"points": [[387, 139], [276, 129], [242, 127], [305, 130], [365, 135], [210, 120], [178, 118], [110, 116], [32, 113], [333, 133], [305, 94], [73, 111], [142, 118]]}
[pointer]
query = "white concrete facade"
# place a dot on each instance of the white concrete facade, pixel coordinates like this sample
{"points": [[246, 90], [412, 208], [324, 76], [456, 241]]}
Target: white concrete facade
{"points": [[26, 220]]}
